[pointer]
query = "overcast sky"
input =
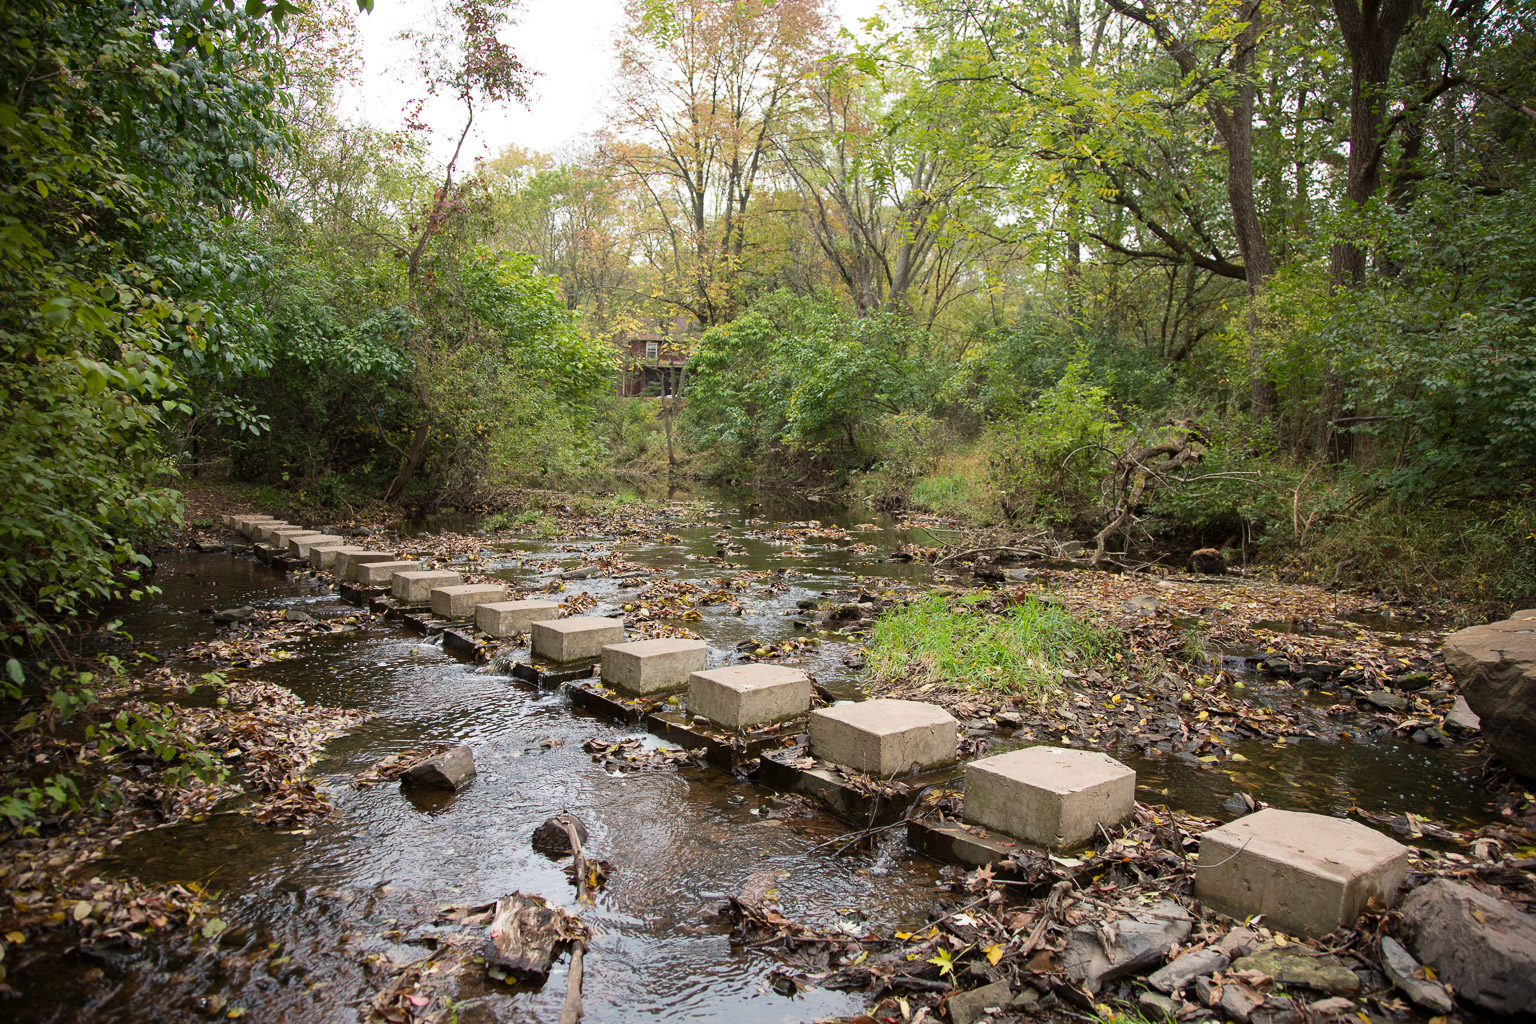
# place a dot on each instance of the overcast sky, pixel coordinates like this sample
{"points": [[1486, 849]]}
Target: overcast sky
{"points": [[570, 44]]}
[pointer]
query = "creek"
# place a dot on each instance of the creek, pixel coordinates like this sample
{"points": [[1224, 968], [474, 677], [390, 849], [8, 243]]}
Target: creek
{"points": [[318, 919]]}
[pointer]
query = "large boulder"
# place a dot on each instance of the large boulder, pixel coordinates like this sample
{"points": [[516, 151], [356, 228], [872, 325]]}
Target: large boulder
{"points": [[1496, 666], [1481, 946]]}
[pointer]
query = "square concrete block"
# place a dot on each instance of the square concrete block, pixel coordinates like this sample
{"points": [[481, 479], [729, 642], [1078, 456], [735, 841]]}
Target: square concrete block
{"points": [[416, 587], [884, 738], [460, 602], [266, 533], [509, 618], [249, 524], [300, 547], [575, 639], [653, 666], [742, 696], [379, 574], [323, 556], [348, 562], [1308, 874], [1049, 796]]}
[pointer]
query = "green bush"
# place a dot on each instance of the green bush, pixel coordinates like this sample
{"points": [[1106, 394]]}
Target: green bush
{"points": [[1048, 465]]}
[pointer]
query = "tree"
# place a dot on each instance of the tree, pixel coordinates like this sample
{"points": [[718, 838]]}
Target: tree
{"points": [[704, 88], [131, 134]]}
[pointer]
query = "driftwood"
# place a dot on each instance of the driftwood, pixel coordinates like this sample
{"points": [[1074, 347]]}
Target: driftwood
{"points": [[570, 1013], [526, 934], [1138, 473]]}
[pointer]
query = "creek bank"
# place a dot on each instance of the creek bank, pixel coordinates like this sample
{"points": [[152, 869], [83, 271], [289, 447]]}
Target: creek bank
{"points": [[1496, 667]]}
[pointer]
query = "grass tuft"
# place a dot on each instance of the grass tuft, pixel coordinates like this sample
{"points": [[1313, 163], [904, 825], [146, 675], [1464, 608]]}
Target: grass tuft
{"points": [[1022, 650]]}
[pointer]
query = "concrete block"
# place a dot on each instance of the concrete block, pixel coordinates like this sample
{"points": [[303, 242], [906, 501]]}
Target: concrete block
{"points": [[266, 533], [575, 639], [742, 696], [653, 666], [323, 556], [416, 587], [379, 574], [282, 538], [1308, 874], [1049, 796], [300, 547], [248, 524], [509, 618], [459, 602], [884, 738], [348, 561]]}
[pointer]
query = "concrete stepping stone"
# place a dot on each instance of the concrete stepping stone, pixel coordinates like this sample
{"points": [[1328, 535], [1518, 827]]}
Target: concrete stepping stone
{"points": [[653, 666], [1308, 874], [743, 696], [267, 532], [579, 638], [248, 525], [380, 574], [509, 618], [1050, 796], [884, 738], [300, 547], [280, 538], [349, 561], [323, 556], [460, 602], [415, 587]]}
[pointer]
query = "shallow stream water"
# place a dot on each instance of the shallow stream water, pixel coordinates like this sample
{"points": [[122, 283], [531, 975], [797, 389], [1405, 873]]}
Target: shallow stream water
{"points": [[316, 918]]}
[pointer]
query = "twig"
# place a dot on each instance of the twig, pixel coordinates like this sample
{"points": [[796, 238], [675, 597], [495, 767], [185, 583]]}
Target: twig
{"points": [[1240, 849]]}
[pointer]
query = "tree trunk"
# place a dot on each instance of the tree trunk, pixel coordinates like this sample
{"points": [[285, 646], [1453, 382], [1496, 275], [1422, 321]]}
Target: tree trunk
{"points": [[408, 465]]}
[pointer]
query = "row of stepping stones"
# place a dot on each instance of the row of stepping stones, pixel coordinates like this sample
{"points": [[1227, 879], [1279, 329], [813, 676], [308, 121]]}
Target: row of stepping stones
{"points": [[1308, 874]]}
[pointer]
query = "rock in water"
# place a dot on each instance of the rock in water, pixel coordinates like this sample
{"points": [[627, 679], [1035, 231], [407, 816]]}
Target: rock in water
{"points": [[1496, 666], [450, 770], [242, 614], [1481, 946], [1208, 561], [552, 840]]}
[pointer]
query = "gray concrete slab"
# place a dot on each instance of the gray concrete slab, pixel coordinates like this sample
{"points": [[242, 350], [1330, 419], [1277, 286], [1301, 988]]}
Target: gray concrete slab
{"points": [[1308, 874], [460, 601], [1049, 796], [415, 587], [509, 618], [380, 574], [744, 696], [653, 666], [576, 638], [884, 738]]}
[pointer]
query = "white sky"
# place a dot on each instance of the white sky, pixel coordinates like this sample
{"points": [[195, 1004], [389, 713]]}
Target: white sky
{"points": [[570, 44]]}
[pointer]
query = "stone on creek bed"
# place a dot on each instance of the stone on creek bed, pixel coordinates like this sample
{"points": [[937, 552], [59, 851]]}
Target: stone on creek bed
{"points": [[451, 770], [1496, 666], [1292, 965], [1142, 940], [1481, 946]]}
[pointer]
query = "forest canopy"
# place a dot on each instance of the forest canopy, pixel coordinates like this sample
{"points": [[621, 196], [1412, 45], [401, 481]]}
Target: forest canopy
{"points": [[973, 257]]}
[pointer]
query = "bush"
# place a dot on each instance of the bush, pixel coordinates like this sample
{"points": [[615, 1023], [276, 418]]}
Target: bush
{"points": [[1047, 466]]}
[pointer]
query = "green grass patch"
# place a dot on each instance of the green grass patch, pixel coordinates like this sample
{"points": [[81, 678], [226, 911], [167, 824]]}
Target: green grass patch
{"points": [[1021, 650]]}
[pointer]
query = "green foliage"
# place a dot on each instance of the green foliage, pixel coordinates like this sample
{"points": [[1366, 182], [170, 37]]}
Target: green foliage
{"points": [[128, 135], [1020, 650], [791, 380], [1048, 465]]}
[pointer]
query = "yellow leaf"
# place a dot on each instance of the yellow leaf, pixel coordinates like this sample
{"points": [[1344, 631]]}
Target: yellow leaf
{"points": [[994, 954], [15, 938], [903, 936]]}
